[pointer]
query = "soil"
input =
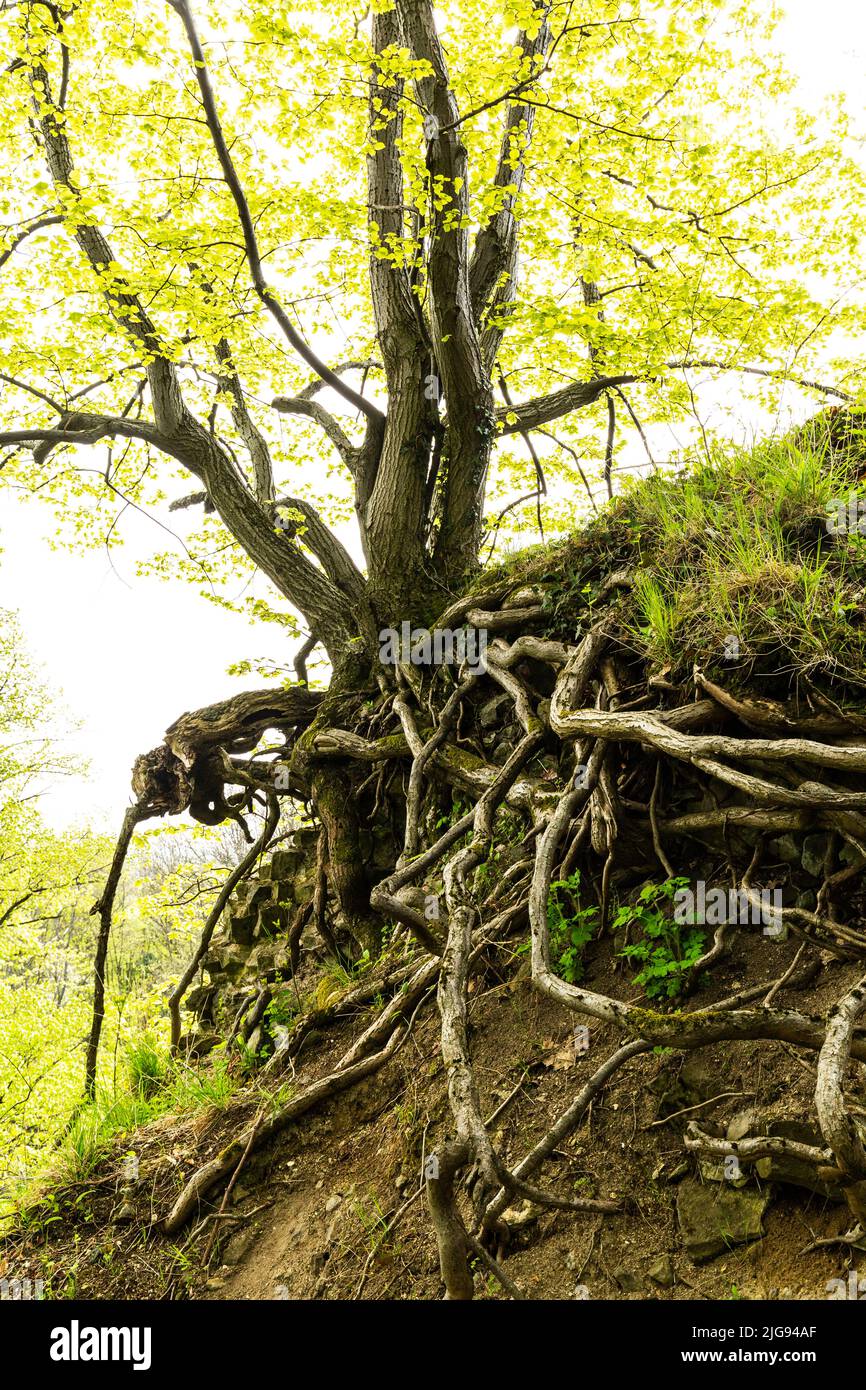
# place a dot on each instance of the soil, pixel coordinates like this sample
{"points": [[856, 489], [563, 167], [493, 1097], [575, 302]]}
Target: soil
{"points": [[307, 1216]]}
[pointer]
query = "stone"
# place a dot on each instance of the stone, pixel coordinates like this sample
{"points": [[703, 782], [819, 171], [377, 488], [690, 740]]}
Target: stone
{"points": [[663, 1172], [808, 901], [259, 897], [198, 999], [628, 1280], [526, 597], [303, 890], [782, 1168], [713, 1170], [744, 1123], [661, 1271], [273, 919], [333, 1202], [226, 960], [787, 848], [241, 927], [796, 1172], [491, 711], [261, 961], [239, 1246], [712, 1219], [814, 852], [519, 1217], [199, 1044], [284, 864]]}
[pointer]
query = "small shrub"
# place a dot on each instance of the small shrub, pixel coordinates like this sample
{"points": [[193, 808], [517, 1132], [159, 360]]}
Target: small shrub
{"points": [[667, 949]]}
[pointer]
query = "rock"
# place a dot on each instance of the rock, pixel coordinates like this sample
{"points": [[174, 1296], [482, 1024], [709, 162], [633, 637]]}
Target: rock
{"points": [[199, 1044], [787, 848], [303, 890], [782, 1168], [661, 1271], [273, 919], [198, 999], [814, 852], [796, 1172], [808, 901], [283, 864], [519, 1217], [239, 1245], [712, 1219], [849, 854], [491, 711], [227, 960], [714, 1170], [628, 1280], [526, 597], [665, 1173], [333, 1202], [241, 927], [260, 896]]}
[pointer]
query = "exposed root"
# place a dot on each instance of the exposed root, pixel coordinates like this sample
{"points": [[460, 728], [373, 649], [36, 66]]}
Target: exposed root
{"points": [[595, 778]]}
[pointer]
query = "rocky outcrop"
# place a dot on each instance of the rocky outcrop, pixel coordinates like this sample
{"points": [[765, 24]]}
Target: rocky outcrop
{"points": [[251, 947], [251, 950]]}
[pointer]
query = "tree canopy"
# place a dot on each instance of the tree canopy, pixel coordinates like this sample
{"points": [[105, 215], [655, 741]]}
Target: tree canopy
{"points": [[403, 270]]}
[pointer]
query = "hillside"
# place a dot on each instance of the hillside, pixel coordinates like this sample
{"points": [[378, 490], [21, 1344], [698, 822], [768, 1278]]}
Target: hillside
{"points": [[603, 1036]]}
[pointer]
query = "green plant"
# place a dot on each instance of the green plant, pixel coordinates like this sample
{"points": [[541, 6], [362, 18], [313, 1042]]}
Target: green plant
{"points": [[373, 1220], [84, 1144], [283, 1008], [570, 928], [145, 1067], [196, 1089], [667, 949], [251, 1058]]}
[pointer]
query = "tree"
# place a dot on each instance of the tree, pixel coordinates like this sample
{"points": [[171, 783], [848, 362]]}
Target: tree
{"points": [[516, 216], [516, 220]]}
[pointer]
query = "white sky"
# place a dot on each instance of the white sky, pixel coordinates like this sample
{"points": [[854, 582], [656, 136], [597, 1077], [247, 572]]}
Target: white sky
{"points": [[130, 657]]}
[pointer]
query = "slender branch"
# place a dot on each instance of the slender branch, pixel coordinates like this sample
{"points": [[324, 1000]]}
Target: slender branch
{"points": [[254, 259], [54, 220]]}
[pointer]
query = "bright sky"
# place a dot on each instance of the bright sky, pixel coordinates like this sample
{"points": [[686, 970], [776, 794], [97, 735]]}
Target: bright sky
{"points": [[131, 654]]}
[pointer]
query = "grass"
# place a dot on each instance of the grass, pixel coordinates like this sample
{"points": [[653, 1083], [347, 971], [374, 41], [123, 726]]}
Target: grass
{"points": [[734, 567]]}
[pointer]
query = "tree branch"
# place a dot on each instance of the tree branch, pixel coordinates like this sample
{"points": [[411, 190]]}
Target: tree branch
{"points": [[528, 415], [493, 268], [254, 260], [54, 220]]}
